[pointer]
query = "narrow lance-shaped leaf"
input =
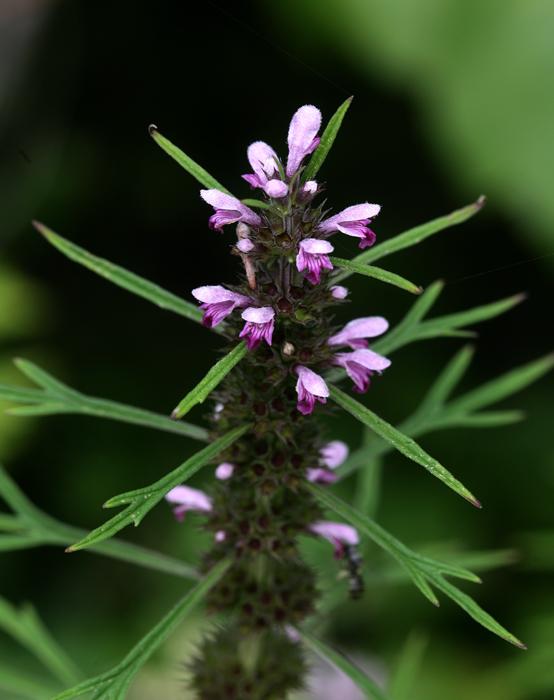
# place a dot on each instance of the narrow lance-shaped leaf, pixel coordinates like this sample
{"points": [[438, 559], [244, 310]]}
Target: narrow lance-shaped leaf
{"points": [[377, 273], [327, 140], [31, 527], [403, 443], [197, 171], [433, 415], [428, 572], [403, 678], [25, 626], [415, 235], [214, 376], [141, 501], [113, 684], [342, 663], [121, 277], [56, 398]]}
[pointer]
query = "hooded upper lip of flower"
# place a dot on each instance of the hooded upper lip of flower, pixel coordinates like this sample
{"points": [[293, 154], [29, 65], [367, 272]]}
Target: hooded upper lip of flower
{"points": [[302, 137], [310, 388], [218, 303], [313, 256], [355, 332], [264, 162], [339, 534], [332, 455], [228, 210], [353, 222], [259, 325], [359, 364], [186, 498]]}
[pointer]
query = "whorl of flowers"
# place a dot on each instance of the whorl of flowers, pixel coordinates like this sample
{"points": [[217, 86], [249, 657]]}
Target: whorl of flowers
{"points": [[283, 309]]}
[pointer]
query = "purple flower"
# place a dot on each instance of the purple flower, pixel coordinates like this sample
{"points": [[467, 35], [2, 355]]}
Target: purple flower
{"points": [[187, 498], [302, 137], [339, 292], [355, 332], [332, 455], [310, 187], [312, 256], [360, 364], [353, 222], [245, 245], [224, 471], [338, 534], [218, 303], [228, 210], [259, 325], [310, 388], [263, 161]]}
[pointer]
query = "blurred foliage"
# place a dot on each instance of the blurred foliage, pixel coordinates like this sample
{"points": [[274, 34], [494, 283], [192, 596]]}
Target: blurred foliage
{"points": [[481, 75]]}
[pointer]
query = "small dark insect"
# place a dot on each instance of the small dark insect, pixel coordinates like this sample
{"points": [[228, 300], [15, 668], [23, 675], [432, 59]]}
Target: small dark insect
{"points": [[353, 569]]}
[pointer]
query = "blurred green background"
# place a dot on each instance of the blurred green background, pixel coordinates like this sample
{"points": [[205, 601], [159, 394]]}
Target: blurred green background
{"points": [[451, 100]]}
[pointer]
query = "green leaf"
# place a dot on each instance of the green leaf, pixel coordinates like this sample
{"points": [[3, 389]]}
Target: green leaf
{"points": [[141, 501], [503, 386], [342, 663], [420, 568], [403, 443], [25, 626], [121, 277], [415, 235], [214, 376], [377, 273], [434, 413], [113, 684], [58, 398], [403, 678], [327, 140], [31, 527], [197, 171], [24, 685]]}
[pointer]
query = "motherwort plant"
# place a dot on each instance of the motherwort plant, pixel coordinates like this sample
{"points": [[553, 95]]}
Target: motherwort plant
{"points": [[285, 355]]}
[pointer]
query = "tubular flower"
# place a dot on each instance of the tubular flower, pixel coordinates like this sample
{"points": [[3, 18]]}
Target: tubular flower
{"points": [[338, 534], [218, 303], [186, 498], [259, 325], [355, 332], [353, 222], [224, 471], [332, 455], [310, 388], [263, 161], [313, 257], [302, 137], [228, 210], [360, 365]]}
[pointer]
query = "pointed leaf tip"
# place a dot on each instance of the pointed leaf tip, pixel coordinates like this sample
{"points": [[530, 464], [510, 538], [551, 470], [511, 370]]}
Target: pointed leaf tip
{"points": [[40, 227], [152, 129], [481, 201]]}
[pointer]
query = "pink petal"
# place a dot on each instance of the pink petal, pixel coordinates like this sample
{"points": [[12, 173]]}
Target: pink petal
{"points": [[245, 245], [276, 188], [369, 359], [334, 453], [224, 471], [264, 314], [221, 200], [367, 327], [312, 382], [310, 187], [192, 499], [262, 159], [316, 246], [336, 532], [215, 293], [303, 130], [339, 292]]}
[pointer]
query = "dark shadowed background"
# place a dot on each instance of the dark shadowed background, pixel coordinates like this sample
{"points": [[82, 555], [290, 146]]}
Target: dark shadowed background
{"points": [[452, 100]]}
